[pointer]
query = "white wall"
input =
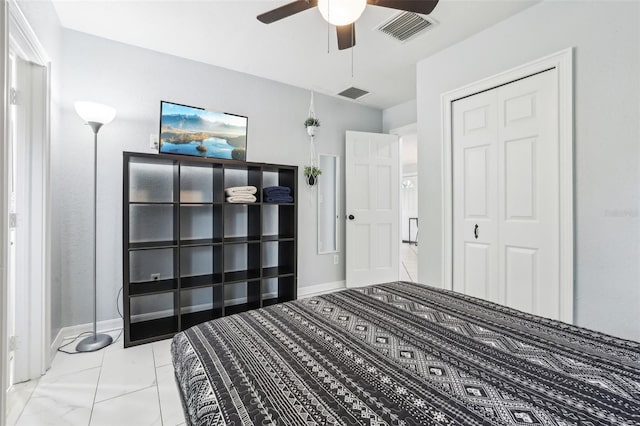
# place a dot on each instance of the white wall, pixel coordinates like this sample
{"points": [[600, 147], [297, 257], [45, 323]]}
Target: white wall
{"points": [[43, 19], [134, 80], [399, 115], [606, 37]]}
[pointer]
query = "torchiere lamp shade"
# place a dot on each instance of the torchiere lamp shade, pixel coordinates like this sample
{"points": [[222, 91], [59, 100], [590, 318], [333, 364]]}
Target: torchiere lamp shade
{"points": [[93, 112]]}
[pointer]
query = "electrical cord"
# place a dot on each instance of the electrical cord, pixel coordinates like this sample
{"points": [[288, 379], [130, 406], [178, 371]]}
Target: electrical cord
{"points": [[61, 348]]}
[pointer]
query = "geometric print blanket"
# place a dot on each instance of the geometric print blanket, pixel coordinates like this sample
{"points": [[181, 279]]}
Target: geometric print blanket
{"points": [[403, 354]]}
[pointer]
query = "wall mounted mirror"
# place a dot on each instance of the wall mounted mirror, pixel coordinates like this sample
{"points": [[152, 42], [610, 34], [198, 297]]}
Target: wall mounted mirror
{"points": [[328, 208]]}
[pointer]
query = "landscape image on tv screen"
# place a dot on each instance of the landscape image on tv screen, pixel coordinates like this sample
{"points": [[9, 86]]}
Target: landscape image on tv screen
{"points": [[194, 131]]}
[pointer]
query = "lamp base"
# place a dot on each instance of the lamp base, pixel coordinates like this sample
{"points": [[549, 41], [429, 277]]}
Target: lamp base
{"points": [[94, 343]]}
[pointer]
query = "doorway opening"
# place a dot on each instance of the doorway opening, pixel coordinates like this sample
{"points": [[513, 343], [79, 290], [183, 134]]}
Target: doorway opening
{"points": [[409, 223]]}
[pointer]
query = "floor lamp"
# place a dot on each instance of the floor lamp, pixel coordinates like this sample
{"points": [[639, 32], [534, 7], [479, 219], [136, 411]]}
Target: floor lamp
{"points": [[95, 115]]}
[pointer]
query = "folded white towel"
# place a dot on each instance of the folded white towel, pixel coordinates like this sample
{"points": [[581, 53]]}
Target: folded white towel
{"points": [[241, 190], [241, 199]]}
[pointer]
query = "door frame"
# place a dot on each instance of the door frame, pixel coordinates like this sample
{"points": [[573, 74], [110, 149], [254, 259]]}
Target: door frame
{"points": [[35, 321], [562, 61], [4, 206]]}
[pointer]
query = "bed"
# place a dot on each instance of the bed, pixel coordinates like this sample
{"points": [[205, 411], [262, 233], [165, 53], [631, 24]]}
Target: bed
{"points": [[403, 354]]}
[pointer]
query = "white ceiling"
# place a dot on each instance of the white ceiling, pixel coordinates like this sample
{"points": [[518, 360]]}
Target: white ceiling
{"points": [[293, 50]]}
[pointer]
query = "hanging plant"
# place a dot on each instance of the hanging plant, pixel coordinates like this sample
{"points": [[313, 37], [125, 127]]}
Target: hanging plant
{"points": [[311, 174], [311, 123]]}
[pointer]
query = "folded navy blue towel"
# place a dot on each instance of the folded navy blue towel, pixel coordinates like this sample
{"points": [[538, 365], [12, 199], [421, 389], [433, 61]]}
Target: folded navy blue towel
{"points": [[276, 190], [278, 199]]}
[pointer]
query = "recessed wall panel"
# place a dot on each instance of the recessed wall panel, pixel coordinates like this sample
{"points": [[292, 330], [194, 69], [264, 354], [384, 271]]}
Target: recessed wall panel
{"points": [[475, 181], [520, 179], [476, 269], [362, 149], [382, 252], [521, 278], [383, 187], [361, 233], [475, 119], [383, 150], [360, 198], [519, 108]]}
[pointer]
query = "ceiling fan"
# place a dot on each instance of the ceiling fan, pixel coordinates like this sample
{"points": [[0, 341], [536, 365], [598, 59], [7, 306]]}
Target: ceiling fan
{"points": [[344, 13]]}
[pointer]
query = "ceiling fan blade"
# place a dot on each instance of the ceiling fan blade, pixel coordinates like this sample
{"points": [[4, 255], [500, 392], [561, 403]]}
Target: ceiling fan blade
{"points": [[423, 7], [286, 10], [346, 36]]}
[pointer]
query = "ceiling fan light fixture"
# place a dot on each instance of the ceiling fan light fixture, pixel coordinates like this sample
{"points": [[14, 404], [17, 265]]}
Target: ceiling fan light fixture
{"points": [[341, 12]]}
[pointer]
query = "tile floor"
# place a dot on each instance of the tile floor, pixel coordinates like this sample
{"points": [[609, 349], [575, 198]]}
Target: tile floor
{"points": [[409, 267], [116, 387], [112, 386]]}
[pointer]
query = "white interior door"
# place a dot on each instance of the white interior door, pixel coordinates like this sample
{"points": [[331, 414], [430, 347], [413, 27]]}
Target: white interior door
{"points": [[29, 186], [372, 208], [506, 195]]}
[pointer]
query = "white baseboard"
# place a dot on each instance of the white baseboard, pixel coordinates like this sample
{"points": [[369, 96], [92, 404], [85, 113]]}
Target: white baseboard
{"points": [[72, 331], [315, 290]]}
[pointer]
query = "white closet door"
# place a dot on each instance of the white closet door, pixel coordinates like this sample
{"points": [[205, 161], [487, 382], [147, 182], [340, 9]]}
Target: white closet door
{"points": [[506, 195], [475, 171], [529, 195]]}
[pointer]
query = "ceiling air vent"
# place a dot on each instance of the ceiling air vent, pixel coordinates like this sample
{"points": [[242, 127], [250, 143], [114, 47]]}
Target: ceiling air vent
{"points": [[405, 25], [353, 93]]}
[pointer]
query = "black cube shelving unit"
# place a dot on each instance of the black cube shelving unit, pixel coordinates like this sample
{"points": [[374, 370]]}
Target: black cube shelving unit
{"points": [[189, 256]]}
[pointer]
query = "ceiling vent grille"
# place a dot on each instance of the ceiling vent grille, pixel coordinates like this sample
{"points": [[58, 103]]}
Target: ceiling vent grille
{"points": [[405, 25], [353, 93]]}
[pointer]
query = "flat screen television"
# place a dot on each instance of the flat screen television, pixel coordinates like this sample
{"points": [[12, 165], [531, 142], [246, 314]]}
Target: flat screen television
{"points": [[189, 130]]}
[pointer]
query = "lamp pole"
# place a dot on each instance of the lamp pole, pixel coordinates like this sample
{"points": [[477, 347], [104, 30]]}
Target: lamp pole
{"points": [[96, 341], [96, 128]]}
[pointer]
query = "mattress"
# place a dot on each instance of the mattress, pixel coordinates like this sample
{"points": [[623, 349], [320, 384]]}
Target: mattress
{"points": [[403, 354]]}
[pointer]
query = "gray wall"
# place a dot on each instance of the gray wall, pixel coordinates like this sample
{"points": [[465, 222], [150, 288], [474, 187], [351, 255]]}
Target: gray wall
{"points": [[134, 80], [606, 37], [399, 115], [44, 21]]}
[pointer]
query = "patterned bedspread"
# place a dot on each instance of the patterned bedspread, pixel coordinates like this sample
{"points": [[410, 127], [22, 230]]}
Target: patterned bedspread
{"points": [[403, 354]]}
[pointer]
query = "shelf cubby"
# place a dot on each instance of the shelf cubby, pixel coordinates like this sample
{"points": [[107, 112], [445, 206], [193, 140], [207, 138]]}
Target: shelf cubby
{"points": [[241, 296], [277, 258], [152, 181], [157, 264], [248, 175], [153, 315], [152, 224], [189, 255], [278, 290], [200, 224], [200, 305], [200, 266], [200, 183], [242, 221], [278, 221]]}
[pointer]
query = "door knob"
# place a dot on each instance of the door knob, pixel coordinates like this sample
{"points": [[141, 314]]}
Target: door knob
{"points": [[351, 217], [475, 231]]}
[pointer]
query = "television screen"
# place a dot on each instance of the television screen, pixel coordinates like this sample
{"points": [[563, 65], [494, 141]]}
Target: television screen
{"points": [[194, 131]]}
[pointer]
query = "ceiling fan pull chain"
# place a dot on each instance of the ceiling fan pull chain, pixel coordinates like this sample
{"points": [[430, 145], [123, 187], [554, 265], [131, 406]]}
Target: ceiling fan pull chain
{"points": [[352, 49], [328, 27], [328, 39]]}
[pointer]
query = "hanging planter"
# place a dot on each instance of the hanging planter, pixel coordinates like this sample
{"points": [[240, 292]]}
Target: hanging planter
{"points": [[311, 174], [311, 124]]}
